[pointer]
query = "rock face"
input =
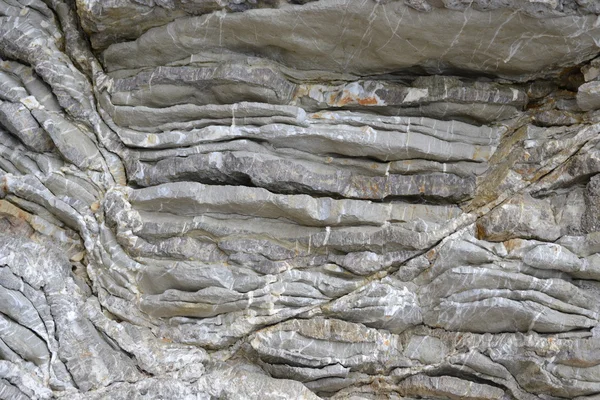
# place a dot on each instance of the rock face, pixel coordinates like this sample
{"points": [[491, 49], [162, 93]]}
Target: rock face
{"points": [[292, 199]]}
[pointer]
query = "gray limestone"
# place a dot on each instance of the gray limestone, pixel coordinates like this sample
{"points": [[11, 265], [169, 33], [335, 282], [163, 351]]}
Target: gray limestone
{"points": [[290, 199]]}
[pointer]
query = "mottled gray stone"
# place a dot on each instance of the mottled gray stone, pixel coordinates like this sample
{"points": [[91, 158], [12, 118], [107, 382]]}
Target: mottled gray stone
{"points": [[370, 50], [299, 199], [591, 217], [588, 96]]}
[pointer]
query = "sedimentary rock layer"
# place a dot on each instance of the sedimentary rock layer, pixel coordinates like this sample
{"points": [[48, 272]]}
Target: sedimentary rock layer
{"points": [[299, 199]]}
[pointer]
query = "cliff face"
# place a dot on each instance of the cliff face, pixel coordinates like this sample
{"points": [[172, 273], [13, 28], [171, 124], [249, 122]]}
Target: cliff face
{"points": [[346, 199]]}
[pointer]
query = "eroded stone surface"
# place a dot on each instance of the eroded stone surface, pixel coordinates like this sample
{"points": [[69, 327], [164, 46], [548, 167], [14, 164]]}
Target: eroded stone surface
{"points": [[304, 199]]}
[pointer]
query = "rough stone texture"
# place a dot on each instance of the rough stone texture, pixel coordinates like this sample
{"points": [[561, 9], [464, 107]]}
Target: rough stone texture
{"points": [[299, 199]]}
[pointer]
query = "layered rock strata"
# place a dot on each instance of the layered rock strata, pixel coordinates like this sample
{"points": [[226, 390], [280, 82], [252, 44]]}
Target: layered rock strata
{"points": [[299, 199]]}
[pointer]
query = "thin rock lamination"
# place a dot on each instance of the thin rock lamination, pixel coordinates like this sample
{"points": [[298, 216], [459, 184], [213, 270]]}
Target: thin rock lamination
{"points": [[290, 199]]}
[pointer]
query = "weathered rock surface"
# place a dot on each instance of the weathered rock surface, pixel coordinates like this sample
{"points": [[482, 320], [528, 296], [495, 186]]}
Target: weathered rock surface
{"points": [[299, 199]]}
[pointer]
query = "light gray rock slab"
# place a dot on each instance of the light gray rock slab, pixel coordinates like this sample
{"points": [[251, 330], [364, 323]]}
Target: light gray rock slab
{"points": [[588, 96], [375, 50]]}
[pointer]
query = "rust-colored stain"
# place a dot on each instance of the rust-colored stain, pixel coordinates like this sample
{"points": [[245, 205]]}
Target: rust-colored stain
{"points": [[346, 97], [8, 208], [430, 254], [344, 101], [512, 244], [340, 102], [368, 101], [422, 188], [481, 234]]}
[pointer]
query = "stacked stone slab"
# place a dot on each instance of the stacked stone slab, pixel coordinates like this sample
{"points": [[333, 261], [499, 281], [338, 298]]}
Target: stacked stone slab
{"points": [[299, 199]]}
